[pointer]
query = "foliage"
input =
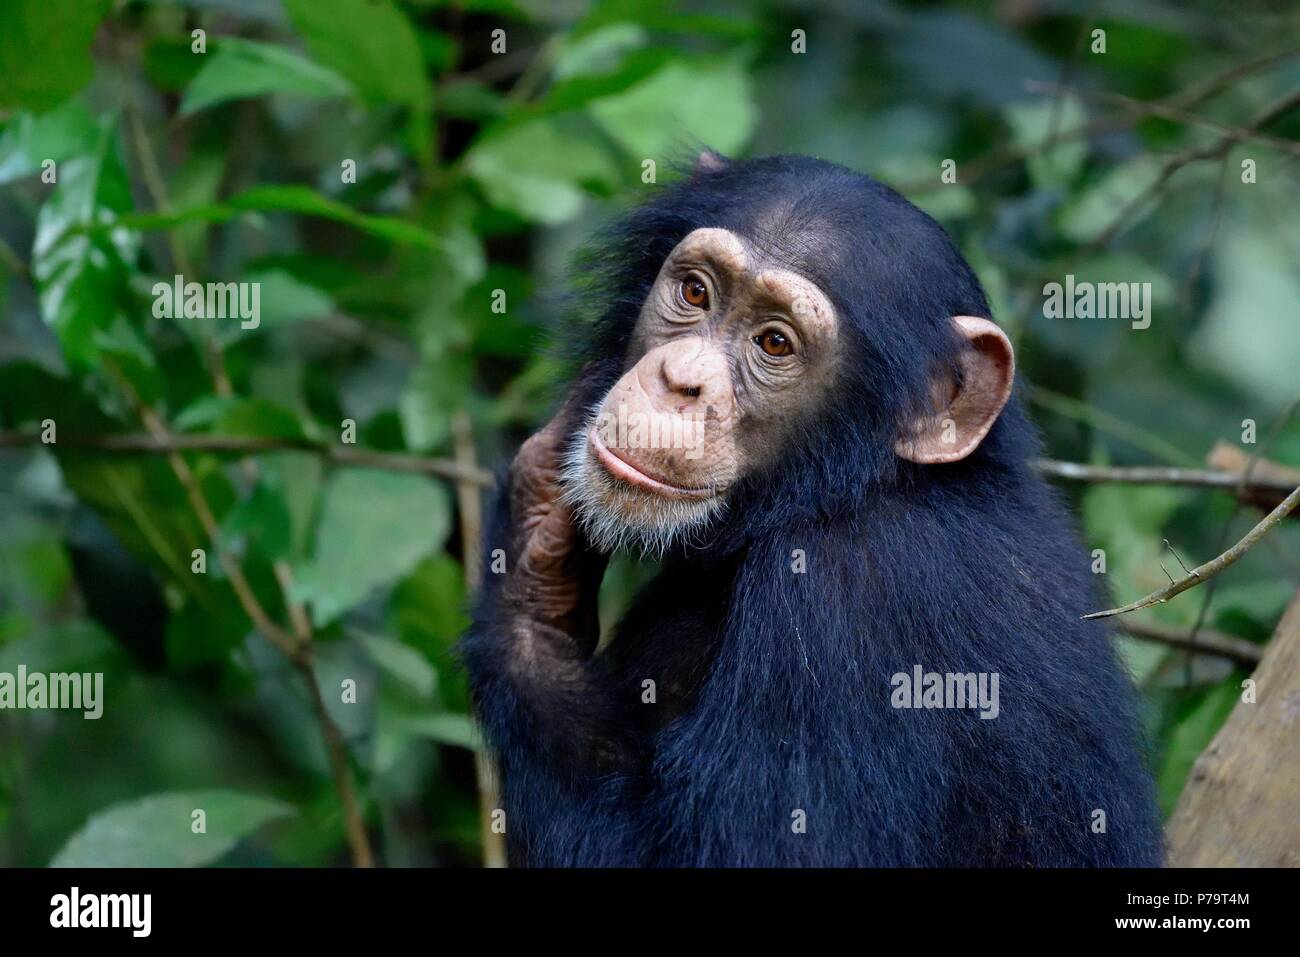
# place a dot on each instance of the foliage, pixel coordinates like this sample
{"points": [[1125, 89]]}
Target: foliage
{"points": [[476, 173]]}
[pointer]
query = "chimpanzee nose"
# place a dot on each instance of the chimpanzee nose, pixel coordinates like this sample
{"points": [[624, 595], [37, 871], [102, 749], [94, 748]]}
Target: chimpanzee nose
{"points": [[692, 368]]}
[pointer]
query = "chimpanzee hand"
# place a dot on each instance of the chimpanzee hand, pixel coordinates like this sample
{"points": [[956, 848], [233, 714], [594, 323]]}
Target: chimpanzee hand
{"points": [[554, 578]]}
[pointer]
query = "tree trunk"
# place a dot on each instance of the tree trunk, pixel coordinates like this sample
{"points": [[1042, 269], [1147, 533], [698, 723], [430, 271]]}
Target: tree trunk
{"points": [[1241, 806]]}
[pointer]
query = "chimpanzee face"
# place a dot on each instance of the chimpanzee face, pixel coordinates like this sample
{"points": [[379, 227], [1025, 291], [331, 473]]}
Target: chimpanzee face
{"points": [[730, 352], [733, 357]]}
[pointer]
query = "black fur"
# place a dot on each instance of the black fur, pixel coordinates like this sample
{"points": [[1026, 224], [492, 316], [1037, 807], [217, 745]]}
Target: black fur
{"points": [[774, 687]]}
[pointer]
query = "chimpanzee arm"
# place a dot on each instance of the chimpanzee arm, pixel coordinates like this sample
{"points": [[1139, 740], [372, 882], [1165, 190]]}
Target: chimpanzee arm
{"points": [[547, 711]]}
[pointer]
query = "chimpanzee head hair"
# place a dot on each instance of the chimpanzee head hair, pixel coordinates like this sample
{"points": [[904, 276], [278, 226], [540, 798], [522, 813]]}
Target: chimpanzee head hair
{"points": [[895, 279]]}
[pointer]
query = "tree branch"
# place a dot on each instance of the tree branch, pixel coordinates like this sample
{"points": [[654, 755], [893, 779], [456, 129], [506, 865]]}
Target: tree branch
{"points": [[1166, 111], [252, 445], [336, 752], [1204, 572], [1205, 642], [469, 499], [1267, 486], [295, 647], [1269, 489], [1175, 162], [1004, 156], [1241, 804]]}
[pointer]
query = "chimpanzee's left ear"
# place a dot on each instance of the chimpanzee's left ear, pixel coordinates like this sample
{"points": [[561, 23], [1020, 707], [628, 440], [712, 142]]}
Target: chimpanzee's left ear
{"points": [[988, 369]]}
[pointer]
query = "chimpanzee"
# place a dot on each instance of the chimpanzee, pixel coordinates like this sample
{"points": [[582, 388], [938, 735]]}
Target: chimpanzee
{"points": [[863, 645]]}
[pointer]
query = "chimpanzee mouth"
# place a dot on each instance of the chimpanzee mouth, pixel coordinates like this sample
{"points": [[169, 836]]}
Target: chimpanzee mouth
{"points": [[621, 469]]}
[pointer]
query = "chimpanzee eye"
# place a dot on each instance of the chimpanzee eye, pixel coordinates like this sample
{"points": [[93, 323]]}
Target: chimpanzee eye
{"points": [[774, 344], [694, 292]]}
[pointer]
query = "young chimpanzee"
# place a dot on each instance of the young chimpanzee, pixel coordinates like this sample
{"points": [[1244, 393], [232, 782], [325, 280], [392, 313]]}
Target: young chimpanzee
{"points": [[864, 646]]}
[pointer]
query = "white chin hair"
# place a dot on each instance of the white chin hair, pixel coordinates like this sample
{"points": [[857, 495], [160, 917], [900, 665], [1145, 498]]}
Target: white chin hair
{"points": [[616, 516]]}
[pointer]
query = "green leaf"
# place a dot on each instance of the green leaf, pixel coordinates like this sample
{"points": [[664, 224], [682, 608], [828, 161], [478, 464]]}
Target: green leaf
{"points": [[402, 662], [1093, 210], [374, 527], [427, 610], [263, 516], [282, 299], [599, 51], [241, 69], [239, 416], [468, 100], [1249, 330], [69, 646], [30, 139], [45, 50], [1034, 122], [81, 275], [710, 102], [1192, 736], [1246, 607], [368, 41], [1127, 522], [144, 505], [508, 334], [289, 198], [287, 299], [130, 355], [30, 393], [156, 831], [296, 476], [579, 89], [205, 629], [538, 169], [457, 730], [195, 181], [435, 387], [307, 202]]}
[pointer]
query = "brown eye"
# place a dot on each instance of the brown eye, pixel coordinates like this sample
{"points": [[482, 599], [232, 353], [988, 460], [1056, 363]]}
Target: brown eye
{"points": [[695, 293], [774, 344]]}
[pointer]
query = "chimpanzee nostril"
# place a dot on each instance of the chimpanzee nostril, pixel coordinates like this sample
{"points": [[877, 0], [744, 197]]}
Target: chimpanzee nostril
{"points": [[688, 368]]}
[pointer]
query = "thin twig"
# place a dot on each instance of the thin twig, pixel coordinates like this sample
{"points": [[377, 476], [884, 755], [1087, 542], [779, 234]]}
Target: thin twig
{"points": [[294, 647], [1211, 568], [1254, 464], [1188, 291], [1166, 111], [466, 472], [253, 445], [336, 750], [1177, 161], [1220, 82], [1004, 156], [469, 500], [1205, 643], [297, 646], [198, 501], [151, 174], [1234, 482], [1068, 67]]}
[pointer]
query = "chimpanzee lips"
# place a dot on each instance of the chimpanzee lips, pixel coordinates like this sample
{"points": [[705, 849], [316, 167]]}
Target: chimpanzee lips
{"points": [[623, 470]]}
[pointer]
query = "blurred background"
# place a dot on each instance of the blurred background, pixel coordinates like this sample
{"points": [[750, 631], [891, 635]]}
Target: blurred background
{"points": [[408, 180]]}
